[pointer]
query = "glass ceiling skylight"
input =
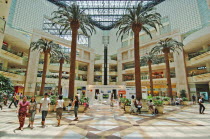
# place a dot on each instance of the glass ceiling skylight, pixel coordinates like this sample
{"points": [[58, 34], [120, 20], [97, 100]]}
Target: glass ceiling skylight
{"points": [[104, 12]]}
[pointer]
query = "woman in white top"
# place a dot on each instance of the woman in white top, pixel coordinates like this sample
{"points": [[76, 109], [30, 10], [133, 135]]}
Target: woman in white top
{"points": [[133, 105], [59, 108]]}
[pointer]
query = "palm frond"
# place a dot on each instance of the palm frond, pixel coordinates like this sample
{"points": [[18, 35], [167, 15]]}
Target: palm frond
{"points": [[65, 15], [168, 43], [138, 15]]}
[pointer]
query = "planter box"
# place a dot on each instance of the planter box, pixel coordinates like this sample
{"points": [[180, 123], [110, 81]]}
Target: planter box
{"points": [[38, 98], [166, 103], [66, 103], [81, 108], [122, 105], [160, 109], [185, 103], [127, 109], [145, 106], [52, 108]]}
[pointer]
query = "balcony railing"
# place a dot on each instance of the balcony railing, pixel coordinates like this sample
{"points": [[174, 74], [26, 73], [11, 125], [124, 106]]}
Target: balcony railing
{"points": [[13, 72], [113, 70], [97, 80], [20, 54], [199, 73], [63, 77], [82, 68], [97, 70], [146, 77], [195, 54], [113, 80]]}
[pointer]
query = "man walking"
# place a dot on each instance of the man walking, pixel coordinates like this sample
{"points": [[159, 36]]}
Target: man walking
{"points": [[44, 107], [14, 100], [202, 108]]}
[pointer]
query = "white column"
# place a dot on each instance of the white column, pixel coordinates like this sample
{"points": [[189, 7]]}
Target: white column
{"points": [[32, 68]]}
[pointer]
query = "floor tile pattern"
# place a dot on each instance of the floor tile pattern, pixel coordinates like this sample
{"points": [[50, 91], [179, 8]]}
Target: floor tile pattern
{"points": [[105, 122]]}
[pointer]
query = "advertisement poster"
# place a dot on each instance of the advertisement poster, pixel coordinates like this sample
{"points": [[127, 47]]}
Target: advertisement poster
{"points": [[204, 95]]}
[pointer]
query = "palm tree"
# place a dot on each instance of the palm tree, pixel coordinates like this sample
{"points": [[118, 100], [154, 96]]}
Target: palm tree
{"points": [[166, 46], [148, 58], [72, 18], [48, 48], [138, 18], [61, 57]]}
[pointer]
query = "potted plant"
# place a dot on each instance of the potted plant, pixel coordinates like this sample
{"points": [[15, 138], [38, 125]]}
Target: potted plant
{"points": [[52, 104], [122, 102], [81, 105], [127, 105], [166, 100], [185, 101], [159, 106]]}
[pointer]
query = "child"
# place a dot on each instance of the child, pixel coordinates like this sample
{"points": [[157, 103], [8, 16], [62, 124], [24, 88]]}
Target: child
{"points": [[86, 104]]}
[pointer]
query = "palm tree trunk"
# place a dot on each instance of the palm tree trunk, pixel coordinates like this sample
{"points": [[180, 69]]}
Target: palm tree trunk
{"points": [[166, 52], [44, 72], [60, 76], [137, 66], [150, 77], [74, 27]]}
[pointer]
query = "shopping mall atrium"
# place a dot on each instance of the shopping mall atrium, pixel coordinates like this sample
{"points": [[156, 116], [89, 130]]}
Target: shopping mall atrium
{"points": [[110, 54]]}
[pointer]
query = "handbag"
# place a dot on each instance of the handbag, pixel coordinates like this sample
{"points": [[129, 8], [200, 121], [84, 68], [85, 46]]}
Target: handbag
{"points": [[28, 114]]}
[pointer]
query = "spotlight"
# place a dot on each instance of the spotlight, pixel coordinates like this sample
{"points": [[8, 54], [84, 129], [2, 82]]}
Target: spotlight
{"points": [[6, 1]]}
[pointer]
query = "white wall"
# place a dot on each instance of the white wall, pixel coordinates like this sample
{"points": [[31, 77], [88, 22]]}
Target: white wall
{"points": [[183, 14], [97, 45], [29, 14]]}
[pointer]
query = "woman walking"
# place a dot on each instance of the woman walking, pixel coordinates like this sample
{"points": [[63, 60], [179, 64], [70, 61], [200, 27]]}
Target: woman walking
{"points": [[59, 109], [201, 108], [32, 111], [76, 106], [23, 107]]}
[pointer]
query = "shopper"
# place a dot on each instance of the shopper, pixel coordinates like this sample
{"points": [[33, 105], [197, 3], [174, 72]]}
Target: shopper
{"points": [[44, 107], [23, 107], [59, 108], [139, 106], [76, 106], [5, 99], [86, 103], [151, 106], [193, 99], [202, 108], [70, 105], [32, 111], [112, 101], [133, 105], [17, 98], [14, 100]]}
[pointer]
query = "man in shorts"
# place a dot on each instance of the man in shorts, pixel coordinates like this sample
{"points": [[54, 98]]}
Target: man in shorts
{"points": [[44, 107]]}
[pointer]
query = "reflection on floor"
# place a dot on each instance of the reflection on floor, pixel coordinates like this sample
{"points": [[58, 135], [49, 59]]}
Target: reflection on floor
{"points": [[101, 121]]}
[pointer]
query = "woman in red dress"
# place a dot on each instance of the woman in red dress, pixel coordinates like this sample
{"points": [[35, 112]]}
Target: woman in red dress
{"points": [[23, 107]]}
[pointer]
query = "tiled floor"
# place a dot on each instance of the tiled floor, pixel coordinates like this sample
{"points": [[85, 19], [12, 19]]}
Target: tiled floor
{"points": [[101, 121]]}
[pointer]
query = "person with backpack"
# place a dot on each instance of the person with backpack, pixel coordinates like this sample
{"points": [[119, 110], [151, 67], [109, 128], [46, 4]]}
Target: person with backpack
{"points": [[201, 108]]}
